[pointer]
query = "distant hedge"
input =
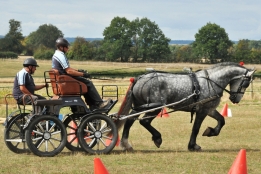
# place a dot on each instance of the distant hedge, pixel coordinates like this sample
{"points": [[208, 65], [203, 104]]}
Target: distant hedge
{"points": [[44, 54], [8, 55]]}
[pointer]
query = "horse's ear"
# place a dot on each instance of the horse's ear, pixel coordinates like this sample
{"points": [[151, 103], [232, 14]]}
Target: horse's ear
{"points": [[250, 72]]}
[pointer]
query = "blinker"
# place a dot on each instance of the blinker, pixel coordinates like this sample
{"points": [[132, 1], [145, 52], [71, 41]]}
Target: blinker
{"points": [[245, 83]]}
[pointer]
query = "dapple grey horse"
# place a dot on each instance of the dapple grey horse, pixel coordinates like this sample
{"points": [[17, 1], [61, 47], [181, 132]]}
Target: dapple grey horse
{"points": [[198, 93]]}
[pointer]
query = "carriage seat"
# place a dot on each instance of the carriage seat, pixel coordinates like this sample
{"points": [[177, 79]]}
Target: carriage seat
{"points": [[66, 85]]}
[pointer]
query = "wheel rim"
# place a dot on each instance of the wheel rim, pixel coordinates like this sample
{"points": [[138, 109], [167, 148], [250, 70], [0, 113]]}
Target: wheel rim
{"points": [[15, 134], [42, 135], [46, 136], [97, 134]]}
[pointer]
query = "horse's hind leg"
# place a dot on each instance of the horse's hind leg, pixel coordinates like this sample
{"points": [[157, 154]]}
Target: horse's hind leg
{"points": [[146, 122], [125, 145], [221, 122]]}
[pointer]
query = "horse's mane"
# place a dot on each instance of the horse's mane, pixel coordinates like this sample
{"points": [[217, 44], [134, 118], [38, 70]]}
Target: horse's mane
{"points": [[212, 67], [225, 64]]}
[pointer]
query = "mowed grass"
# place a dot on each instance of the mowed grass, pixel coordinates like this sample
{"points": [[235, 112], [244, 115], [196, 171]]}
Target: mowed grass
{"points": [[242, 131]]}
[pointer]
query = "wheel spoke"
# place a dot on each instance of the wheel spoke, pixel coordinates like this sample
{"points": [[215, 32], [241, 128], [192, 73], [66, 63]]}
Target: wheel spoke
{"points": [[38, 138], [46, 146], [90, 125], [15, 136], [15, 131], [98, 144], [71, 127], [92, 142], [56, 139], [106, 137], [39, 125], [108, 129], [54, 124], [56, 132], [37, 132], [16, 123], [89, 137], [88, 131], [103, 126], [39, 145], [46, 125], [52, 143], [101, 140], [72, 140]]}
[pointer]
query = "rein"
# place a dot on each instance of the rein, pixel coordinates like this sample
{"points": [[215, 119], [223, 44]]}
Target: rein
{"points": [[229, 92]]}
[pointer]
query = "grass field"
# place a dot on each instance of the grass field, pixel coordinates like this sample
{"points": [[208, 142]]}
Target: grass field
{"points": [[242, 131]]}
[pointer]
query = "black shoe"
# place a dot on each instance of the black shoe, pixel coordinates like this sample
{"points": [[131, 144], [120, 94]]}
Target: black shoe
{"points": [[106, 104]]}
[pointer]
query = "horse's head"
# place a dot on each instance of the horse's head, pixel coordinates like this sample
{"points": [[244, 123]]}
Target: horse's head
{"points": [[239, 84]]}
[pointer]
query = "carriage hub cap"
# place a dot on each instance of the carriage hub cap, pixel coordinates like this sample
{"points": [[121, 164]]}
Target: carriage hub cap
{"points": [[47, 135], [98, 134]]}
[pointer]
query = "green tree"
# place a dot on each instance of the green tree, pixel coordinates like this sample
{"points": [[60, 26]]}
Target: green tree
{"points": [[149, 41], [253, 44], [212, 43], [98, 51], [45, 36], [255, 56], [117, 39], [80, 50], [242, 51], [12, 40]]}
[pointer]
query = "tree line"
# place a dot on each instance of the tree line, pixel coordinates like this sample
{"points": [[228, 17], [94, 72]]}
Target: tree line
{"points": [[140, 40]]}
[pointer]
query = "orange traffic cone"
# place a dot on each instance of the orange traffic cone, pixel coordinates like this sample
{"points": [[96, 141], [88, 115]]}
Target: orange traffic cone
{"points": [[109, 141], [99, 168], [73, 137], [224, 110], [240, 165], [163, 113]]}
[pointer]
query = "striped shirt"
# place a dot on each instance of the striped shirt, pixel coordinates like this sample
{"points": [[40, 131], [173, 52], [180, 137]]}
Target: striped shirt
{"points": [[60, 62], [23, 78]]}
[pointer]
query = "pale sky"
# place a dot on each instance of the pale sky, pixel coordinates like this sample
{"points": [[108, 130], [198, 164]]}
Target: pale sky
{"points": [[179, 20]]}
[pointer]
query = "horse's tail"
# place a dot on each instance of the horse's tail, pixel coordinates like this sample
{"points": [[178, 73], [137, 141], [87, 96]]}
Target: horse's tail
{"points": [[126, 105]]}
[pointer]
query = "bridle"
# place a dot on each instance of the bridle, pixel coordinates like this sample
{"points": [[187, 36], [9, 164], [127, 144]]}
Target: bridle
{"points": [[244, 84]]}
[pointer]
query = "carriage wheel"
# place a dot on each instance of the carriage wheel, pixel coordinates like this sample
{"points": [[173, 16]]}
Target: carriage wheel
{"points": [[46, 136], [14, 134], [71, 124], [97, 134]]}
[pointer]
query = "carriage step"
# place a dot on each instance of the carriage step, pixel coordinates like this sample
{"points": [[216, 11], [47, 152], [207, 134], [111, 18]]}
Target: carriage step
{"points": [[107, 108], [15, 140]]}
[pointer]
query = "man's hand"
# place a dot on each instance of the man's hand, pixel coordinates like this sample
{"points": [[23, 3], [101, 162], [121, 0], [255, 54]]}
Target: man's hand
{"points": [[86, 75]]}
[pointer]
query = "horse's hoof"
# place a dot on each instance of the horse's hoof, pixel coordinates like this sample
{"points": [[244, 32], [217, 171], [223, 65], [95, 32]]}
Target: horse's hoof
{"points": [[125, 146], [130, 149], [196, 148], [158, 142], [208, 132]]}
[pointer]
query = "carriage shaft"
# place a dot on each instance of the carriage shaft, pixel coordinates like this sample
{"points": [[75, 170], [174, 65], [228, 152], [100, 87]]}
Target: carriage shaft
{"points": [[160, 107]]}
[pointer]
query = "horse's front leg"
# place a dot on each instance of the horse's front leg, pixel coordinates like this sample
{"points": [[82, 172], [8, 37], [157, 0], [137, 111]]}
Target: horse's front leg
{"points": [[125, 145], [221, 122], [146, 123], [192, 146]]}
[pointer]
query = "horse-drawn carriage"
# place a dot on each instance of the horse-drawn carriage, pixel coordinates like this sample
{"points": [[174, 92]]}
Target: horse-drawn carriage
{"points": [[96, 131]]}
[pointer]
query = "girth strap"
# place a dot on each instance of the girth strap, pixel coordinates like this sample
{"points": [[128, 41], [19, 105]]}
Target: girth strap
{"points": [[196, 90]]}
